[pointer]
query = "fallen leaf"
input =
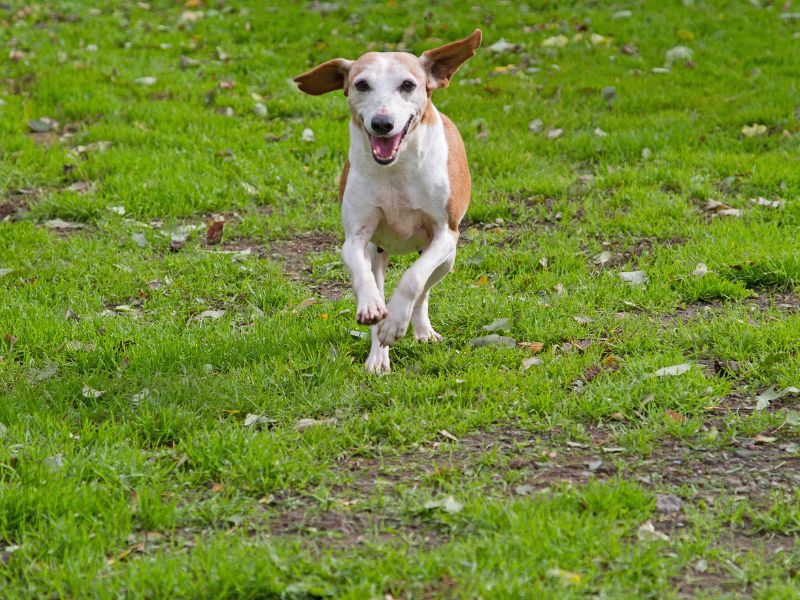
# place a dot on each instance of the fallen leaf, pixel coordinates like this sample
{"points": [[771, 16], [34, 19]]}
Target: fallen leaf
{"points": [[648, 533], [768, 203], [147, 81], [700, 271], [448, 504], [3, 431], [140, 239], [446, 434], [501, 46], [613, 449], [566, 577], [60, 224], [524, 489], [678, 53], [554, 134], [633, 277], [498, 325], [46, 372], [308, 135], [556, 41], [4, 272], [536, 126], [253, 420], [754, 130], [602, 258], [764, 439], [673, 370], [214, 232], [675, 416], [304, 424], [594, 464], [54, 463], [91, 393], [599, 132], [136, 399], [769, 395], [531, 346], [721, 209], [42, 125], [532, 361], [493, 340], [186, 62], [209, 314]]}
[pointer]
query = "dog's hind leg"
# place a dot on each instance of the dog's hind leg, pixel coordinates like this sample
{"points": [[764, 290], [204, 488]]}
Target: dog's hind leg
{"points": [[423, 330], [378, 359]]}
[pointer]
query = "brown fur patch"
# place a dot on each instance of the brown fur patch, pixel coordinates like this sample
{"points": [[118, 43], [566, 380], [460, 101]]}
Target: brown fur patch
{"points": [[343, 179], [327, 77], [444, 61], [458, 173]]}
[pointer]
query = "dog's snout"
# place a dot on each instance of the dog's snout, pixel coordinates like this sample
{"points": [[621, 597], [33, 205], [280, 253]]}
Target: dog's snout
{"points": [[382, 124]]}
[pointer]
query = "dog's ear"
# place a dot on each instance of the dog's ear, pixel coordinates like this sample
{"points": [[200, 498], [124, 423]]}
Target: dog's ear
{"points": [[327, 77], [442, 62]]}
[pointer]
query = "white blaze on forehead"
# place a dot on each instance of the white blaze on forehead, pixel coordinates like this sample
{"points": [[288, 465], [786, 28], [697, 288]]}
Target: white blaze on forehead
{"points": [[385, 72]]}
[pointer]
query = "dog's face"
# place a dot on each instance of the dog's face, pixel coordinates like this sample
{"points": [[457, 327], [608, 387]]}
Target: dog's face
{"points": [[388, 92]]}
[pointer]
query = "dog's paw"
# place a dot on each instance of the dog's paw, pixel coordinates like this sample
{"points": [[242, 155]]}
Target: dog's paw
{"points": [[378, 361], [427, 335], [371, 312], [391, 329]]}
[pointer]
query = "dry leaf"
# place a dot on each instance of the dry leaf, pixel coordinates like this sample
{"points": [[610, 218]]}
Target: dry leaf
{"points": [[673, 370], [214, 232], [498, 325], [754, 130], [633, 277], [304, 424], [448, 435], [675, 416], [531, 346], [493, 340]]}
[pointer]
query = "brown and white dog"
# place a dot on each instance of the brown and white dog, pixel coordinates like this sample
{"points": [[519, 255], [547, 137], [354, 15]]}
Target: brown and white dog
{"points": [[405, 186]]}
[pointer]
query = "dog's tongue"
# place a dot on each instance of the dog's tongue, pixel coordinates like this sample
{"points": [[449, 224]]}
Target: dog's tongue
{"points": [[385, 147]]}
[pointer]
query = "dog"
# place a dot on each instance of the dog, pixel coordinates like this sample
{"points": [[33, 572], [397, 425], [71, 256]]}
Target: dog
{"points": [[405, 186]]}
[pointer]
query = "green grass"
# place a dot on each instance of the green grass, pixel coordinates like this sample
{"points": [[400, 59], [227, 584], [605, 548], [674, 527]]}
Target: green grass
{"points": [[157, 488]]}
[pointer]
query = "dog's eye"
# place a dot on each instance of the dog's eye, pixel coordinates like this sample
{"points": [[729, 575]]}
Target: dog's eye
{"points": [[408, 86], [362, 86]]}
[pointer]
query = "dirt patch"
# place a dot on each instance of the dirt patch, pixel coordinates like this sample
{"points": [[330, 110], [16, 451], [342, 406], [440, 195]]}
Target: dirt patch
{"points": [[13, 206], [781, 300], [620, 254], [294, 253], [748, 468]]}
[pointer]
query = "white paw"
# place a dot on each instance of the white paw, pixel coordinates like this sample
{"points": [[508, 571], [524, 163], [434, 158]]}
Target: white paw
{"points": [[391, 329], [426, 335], [372, 311], [378, 361]]}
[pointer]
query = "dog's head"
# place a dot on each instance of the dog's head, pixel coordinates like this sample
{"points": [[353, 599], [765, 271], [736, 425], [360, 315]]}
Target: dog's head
{"points": [[389, 92]]}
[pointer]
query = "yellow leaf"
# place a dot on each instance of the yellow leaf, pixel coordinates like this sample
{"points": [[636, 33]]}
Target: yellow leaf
{"points": [[566, 577], [684, 35], [532, 346], [482, 280]]}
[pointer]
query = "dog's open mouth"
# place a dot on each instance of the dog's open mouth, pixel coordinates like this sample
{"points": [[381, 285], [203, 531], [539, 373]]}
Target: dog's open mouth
{"points": [[384, 149]]}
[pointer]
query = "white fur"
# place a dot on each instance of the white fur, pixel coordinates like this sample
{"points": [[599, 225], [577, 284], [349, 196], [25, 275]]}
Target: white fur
{"points": [[401, 208]]}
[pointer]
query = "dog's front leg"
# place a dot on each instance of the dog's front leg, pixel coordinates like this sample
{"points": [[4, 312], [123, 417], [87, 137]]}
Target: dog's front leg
{"points": [[371, 307], [440, 251]]}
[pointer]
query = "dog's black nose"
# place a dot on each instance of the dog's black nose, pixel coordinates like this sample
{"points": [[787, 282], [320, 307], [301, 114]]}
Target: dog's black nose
{"points": [[382, 124]]}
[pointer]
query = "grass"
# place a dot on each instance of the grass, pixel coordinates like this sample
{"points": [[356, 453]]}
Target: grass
{"points": [[162, 487]]}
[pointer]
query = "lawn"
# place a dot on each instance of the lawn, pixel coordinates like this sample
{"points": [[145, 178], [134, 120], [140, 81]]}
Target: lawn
{"points": [[183, 416]]}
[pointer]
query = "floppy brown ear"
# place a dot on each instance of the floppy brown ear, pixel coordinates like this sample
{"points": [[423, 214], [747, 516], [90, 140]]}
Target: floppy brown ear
{"points": [[442, 62], [327, 77]]}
